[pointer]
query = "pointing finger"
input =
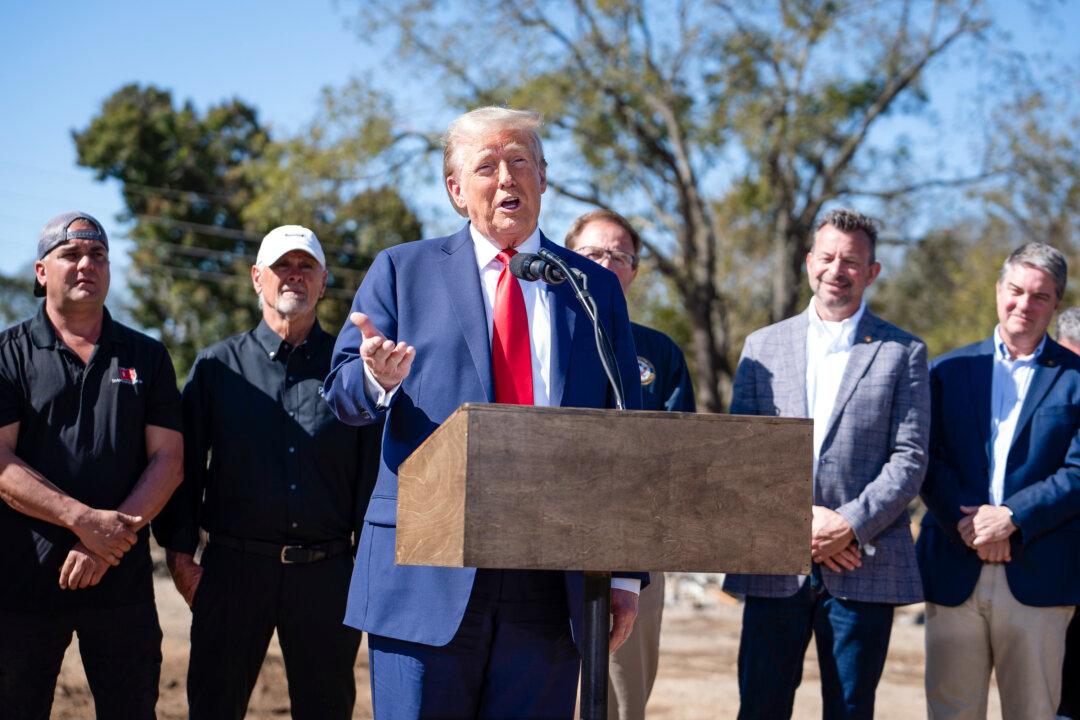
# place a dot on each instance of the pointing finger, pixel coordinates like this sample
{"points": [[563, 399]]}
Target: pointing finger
{"points": [[364, 324]]}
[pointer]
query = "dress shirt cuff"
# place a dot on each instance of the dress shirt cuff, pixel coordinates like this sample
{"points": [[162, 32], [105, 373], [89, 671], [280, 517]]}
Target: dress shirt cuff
{"points": [[629, 584], [376, 392]]}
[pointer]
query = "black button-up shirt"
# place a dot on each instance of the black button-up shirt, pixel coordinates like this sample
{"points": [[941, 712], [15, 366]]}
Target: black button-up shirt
{"points": [[264, 458], [83, 427]]}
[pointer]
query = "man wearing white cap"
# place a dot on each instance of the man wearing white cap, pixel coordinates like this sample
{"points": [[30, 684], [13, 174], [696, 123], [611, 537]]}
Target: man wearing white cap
{"points": [[278, 484]]}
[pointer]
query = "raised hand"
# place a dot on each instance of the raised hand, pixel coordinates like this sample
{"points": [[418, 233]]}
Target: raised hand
{"points": [[389, 363]]}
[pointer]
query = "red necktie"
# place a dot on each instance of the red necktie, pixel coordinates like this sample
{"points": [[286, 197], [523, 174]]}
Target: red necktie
{"points": [[511, 358]]}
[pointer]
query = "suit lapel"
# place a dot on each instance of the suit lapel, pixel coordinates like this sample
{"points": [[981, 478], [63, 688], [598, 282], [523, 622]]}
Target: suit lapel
{"points": [[796, 360], [1047, 369], [563, 306], [865, 344], [980, 389], [461, 279]]}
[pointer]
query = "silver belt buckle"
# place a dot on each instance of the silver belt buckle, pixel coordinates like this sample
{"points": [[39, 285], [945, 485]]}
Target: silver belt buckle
{"points": [[285, 549]]}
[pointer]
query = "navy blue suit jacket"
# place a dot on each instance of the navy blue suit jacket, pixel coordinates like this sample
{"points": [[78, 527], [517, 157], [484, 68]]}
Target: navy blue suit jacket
{"points": [[1042, 477], [428, 294]]}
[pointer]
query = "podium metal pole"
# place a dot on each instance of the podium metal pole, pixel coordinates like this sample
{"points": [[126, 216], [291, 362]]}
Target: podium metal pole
{"points": [[594, 663]]}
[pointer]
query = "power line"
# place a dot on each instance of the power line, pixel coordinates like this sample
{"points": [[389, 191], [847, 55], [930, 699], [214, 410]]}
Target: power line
{"points": [[222, 278], [217, 254], [227, 233]]}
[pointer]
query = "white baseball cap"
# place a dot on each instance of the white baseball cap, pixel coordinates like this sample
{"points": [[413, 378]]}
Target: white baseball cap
{"points": [[285, 239]]}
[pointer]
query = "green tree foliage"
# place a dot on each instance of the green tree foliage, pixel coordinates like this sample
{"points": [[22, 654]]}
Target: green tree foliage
{"points": [[202, 188], [17, 301], [721, 127], [944, 289]]}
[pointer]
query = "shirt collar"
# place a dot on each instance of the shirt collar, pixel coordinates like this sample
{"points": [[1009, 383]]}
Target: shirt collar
{"points": [[486, 250], [43, 333], [272, 343], [828, 329], [1001, 352]]}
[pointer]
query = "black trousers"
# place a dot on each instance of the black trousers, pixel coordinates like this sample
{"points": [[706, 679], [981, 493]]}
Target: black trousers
{"points": [[120, 649], [242, 598]]}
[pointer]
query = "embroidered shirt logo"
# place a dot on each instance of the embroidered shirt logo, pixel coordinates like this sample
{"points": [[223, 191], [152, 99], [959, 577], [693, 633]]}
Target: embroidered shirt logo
{"points": [[648, 372], [128, 376]]}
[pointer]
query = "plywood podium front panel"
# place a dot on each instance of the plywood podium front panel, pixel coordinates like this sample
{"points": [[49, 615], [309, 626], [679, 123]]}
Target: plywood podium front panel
{"points": [[505, 486]]}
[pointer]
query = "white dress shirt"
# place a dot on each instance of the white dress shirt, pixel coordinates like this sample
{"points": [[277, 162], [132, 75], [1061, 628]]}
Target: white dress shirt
{"points": [[828, 348], [1008, 388], [538, 308]]}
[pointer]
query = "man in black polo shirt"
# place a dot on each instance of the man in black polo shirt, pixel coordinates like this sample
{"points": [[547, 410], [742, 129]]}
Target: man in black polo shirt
{"points": [[90, 450], [279, 484]]}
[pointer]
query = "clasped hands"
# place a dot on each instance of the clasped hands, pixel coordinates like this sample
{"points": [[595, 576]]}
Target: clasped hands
{"points": [[986, 530], [832, 541], [104, 537]]}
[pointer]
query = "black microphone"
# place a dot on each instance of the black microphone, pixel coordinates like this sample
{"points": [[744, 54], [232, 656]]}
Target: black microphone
{"points": [[527, 266]]}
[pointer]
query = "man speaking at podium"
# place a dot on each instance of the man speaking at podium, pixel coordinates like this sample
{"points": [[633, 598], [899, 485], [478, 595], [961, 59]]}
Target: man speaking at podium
{"points": [[435, 324]]}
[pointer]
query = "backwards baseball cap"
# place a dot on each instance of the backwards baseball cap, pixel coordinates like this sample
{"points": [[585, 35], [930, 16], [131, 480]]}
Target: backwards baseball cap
{"points": [[56, 233], [285, 239]]}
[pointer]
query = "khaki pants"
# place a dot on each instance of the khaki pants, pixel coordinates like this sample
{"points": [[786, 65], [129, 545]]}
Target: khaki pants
{"points": [[1024, 645], [632, 669]]}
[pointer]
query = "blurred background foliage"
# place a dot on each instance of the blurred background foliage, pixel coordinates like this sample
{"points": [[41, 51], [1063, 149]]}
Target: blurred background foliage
{"points": [[722, 129]]}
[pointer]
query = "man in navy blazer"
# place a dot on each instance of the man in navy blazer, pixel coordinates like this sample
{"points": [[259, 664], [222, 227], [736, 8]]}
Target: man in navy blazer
{"points": [[999, 548], [426, 335]]}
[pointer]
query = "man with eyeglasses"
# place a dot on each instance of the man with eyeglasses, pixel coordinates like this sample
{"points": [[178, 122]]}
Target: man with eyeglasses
{"points": [[607, 238]]}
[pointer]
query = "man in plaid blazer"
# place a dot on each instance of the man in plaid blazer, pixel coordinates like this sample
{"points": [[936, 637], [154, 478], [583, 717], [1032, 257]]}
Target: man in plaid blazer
{"points": [[864, 382]]}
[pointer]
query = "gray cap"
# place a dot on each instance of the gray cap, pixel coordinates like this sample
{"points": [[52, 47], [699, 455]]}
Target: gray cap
{"points": [[56, 233]]}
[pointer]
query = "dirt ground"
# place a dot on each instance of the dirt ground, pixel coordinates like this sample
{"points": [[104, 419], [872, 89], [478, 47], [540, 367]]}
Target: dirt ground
{"points": [[697, 678]]}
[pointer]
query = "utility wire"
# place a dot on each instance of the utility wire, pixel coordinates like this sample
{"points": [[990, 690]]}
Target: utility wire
{"points": [[195, 251], [222, 278]]}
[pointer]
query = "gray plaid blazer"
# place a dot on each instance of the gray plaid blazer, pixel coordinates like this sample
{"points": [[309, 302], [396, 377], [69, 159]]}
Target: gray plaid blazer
{"points": [[873, 457]]}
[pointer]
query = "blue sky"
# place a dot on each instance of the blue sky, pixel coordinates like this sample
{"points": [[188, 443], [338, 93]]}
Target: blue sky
{"points": [[62, 59]]}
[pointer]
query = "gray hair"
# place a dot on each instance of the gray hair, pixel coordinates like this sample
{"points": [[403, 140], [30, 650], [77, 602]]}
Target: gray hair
{"points": [[1041, 257], [486, 121], [1068, 325], [850, 221]]}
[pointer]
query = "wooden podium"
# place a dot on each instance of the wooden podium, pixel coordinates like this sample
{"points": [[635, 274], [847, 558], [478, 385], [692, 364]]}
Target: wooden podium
{"points": [[510, 486]]}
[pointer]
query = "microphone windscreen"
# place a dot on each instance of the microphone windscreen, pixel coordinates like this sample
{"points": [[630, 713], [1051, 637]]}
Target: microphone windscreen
{"points": [[521, 266]]}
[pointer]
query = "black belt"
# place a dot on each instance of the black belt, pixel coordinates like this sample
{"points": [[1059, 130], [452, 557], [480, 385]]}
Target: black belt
{"points": [[287, 554]]}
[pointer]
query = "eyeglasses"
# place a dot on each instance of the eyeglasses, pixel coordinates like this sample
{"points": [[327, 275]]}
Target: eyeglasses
{"points": [[617, 257]]}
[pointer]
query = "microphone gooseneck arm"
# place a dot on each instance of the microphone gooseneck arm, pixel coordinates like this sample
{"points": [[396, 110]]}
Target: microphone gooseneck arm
{"points": [[580, 284]]}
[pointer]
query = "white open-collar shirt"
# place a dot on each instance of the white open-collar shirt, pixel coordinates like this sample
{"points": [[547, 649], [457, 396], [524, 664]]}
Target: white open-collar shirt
{"points": [[828, 349], [1008, 388]]}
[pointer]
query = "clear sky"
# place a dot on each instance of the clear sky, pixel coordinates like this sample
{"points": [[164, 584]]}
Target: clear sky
{"points": [[63, 58]]}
